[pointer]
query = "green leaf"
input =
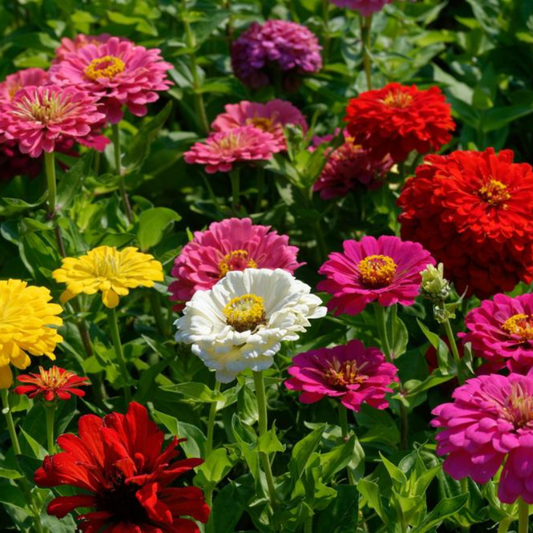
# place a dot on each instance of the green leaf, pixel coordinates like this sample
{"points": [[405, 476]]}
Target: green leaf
{"points": [[302, 452], [340, 457], [446, 507], [499, 117], [372, 494], [197, 392], [398, 477], [269, 442], [152, 225], [247, 406], [214, 469], [341, 516], [71, 183]]}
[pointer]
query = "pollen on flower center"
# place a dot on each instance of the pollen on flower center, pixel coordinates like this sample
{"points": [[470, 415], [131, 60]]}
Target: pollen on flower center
{"points": [[494, 192], [397, 99], [262, 123], [104, 67], [342, 374], [377, 271], [54, 379], [235, 260], [50, 107], [518, 407], [106, 266], [520, 325], [245, 313]]}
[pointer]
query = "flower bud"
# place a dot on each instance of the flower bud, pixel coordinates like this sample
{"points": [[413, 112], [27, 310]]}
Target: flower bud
{"points": [[434, 286]]}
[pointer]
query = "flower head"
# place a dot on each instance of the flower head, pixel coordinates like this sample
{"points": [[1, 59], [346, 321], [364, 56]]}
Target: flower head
{"points": [[384, 269], [109, 271], [472, 211], [397, 119], [117, 72], [352, 373], [279, 45], [233, 244], [55, 383], [490, 421], [124, 475], [23, 78], [270, 117], [69, 46], [365, 7], [223, 149], [241, 322], [28, 323], [42, 118]]}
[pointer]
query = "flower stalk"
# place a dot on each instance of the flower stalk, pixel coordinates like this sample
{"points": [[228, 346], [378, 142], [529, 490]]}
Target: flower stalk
{"points": [[343, 422], [235, 190], [50, 410], [9, 422], [115, 336], [118, 167], [366, 23], [523, 516], [51, 180]]}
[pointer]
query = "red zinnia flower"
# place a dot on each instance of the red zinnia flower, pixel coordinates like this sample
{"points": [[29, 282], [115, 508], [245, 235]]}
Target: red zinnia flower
{"points": [[51, 384], [118, 463], [472, 211], [398, 119]]}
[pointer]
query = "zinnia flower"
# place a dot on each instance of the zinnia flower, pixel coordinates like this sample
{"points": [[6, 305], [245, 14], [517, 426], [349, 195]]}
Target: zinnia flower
{"points": [[110, 271], [276, 45], [125, 477], [80, 41], [118, 73], [384, 269], [270, 117], [242, 321], [490, 423], [23, 78], [365, 7], [233, 244], [28, 323], [352, 373], [221, 150], [42, 118], [398, 119], [472, 211], [51, 384]]}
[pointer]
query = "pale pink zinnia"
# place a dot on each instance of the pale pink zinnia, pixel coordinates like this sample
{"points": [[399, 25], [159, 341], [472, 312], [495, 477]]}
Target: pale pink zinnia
{"points": [[271, 117], [351, 373], [17, 81], [118, 73], [386, 270], [233, 244], [490, 423], [41, 118], [221, 150]]}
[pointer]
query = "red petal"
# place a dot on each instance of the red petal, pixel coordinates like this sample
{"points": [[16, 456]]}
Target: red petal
{"points": [[63, 505]]}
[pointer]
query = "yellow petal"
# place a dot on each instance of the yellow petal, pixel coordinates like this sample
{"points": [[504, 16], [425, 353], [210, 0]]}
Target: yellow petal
{"points": [[66, 296], [6, 377], [110, 299]]}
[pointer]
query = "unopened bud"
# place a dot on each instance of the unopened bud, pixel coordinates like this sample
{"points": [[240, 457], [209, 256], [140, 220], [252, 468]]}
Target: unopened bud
{"points": [[434, 286]]}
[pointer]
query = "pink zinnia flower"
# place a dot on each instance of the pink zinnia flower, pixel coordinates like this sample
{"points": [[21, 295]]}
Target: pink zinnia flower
{"points": [[81, 41], [270, 117], [501, 331], [23, 78], [118, 72], [224, 148], [365, 7], [352, 373], [490, 421], [39, 118], [233, 244], [384, 269]]}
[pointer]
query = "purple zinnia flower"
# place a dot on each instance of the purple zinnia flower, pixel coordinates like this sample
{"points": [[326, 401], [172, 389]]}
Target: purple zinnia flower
{"points": [[365, 7]]}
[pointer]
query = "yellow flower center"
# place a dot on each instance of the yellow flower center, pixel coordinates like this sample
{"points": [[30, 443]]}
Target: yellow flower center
{"points": [[245, 313], [44, 110], [262, 123], [377, 271], [494, 192], [235, 260], [520, 325], [342, 374], [397, 99], [104, 67], [14, 89], [518, 407], [53, 379], [229, 142]]}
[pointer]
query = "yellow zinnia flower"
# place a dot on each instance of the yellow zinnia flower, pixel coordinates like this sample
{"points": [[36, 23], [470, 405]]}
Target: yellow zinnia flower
{"points": [[110, 271], [27, 321]]}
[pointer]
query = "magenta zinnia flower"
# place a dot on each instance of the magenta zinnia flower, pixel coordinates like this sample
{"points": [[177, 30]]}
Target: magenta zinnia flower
{"points": [[352, 373], [501, 332], [384, 269], [490, 421], [222, 149], [81, 41], [233, 244], [365, 7], [278, 44], [270, 117], [39, 118], [17, 81], [118, 73]]}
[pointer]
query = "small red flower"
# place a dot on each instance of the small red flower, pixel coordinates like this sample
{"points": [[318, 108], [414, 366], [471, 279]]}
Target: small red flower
{"points": [[398, 119], [51, 384], [124, 477]]}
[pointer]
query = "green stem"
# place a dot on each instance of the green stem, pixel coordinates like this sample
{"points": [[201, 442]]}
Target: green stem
{"points": [[343, 421], [50, 167], [118, 168], [260, 188], [404, 427], [455, 351], [155, 304], [9, 421], [50, 415], [463, 483], [325, 17], [504, 525], [210, 526], [366, 23], [382, 330], [235, 190], [308, 527], [523, 516], [115, 336]]}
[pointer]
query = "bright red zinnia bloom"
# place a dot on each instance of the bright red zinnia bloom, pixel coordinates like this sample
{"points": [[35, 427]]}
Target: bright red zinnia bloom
{"points": [[398, 119], [125, 477], [51, 384], [472, 211]]}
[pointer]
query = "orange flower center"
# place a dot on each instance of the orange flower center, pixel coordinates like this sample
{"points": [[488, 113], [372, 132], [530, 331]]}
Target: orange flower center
{"points": [[104, 67], [53, 379], [377, 270], [397, 99], [262, 123], [520, 325], [245, 313], [342, 374], [235, 260], [494, 192], [518, 407]]}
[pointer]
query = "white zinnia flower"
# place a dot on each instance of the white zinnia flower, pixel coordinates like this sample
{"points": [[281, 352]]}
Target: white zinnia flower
{"points": [[241, 322]]}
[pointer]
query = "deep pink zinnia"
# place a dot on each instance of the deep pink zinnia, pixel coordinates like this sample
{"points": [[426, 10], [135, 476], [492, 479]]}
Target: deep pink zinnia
{"points": [[80, 41], [222, 149], [118, 73], [352, 373], [39, 118], [270, 117], [501, 332], [233, 244], [384, 269], [365, 7], [490, 421], [17, 81]]}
